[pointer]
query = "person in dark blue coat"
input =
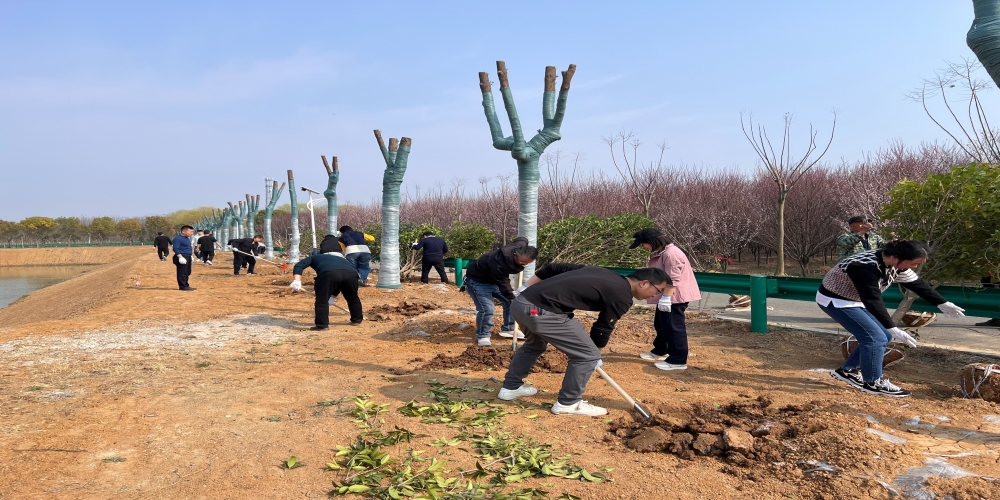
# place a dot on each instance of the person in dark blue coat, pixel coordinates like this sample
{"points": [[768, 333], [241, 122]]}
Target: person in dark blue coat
{"points": [[356, 250], [434, 249], [183, 255], [334, 275]]}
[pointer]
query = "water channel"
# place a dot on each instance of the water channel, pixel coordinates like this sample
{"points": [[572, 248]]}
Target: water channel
{"points": [[16, 282]]}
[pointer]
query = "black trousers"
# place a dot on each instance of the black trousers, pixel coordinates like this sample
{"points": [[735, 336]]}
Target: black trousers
{"points": [[425, 269], [207, 255], [183, 271], [239, 259], [331, 284], [163, 252], [671, 334]]}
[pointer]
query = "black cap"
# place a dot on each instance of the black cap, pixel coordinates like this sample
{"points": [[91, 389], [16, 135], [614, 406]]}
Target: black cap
{"points": [[857, 218], [644, 235]]}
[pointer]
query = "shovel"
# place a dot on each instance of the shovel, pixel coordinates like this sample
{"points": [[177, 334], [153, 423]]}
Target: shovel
{"points": [[635, 406]]}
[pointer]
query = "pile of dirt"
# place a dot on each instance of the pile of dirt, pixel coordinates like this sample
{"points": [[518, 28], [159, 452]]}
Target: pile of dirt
{"points": [[752, 433], [485, 358], [386, 312]]}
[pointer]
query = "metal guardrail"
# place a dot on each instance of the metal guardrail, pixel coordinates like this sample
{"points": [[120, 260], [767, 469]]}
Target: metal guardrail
{"points": [[977, 301]]}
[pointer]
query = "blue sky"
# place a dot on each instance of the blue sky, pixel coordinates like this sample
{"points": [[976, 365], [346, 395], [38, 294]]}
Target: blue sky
{"points": [[140, 108]]}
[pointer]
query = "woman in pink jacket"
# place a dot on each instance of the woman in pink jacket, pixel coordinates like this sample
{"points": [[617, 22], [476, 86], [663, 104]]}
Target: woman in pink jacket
{"points": [[670, 347]]}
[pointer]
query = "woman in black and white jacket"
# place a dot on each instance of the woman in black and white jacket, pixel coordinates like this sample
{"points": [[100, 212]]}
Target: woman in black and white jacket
{"points": [[851, 294]]}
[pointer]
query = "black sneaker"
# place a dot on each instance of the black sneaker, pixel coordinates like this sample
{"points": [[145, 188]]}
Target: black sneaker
{"points": [[852, 377], [992, 322], [883, 387], [319, 327], [355, 323], [188, 289]]}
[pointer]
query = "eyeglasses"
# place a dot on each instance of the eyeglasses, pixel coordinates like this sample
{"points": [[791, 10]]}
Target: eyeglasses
{"points": [[655, 287]]}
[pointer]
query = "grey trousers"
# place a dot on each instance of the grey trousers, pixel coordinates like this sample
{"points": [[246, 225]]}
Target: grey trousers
{"points": [[565, 334]]}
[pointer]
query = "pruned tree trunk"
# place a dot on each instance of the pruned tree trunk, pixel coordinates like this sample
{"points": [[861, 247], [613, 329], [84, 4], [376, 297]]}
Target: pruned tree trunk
{"points": [[333, 174], [526, 153], [293, 243], [984, 36], [268, 213], [253, 207], [228, 215], [396, 157]]}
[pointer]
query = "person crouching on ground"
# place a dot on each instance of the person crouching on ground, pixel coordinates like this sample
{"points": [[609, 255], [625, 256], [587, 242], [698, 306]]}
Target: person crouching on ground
{"points": [[242, 253], [334, 275], [183, 255], [670, 347], [851, 294], [544, 310], [488, 278]]}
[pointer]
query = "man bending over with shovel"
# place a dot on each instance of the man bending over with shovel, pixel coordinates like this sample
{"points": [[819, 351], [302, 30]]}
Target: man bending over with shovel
{"points": [[545, 313], [334, 275]]}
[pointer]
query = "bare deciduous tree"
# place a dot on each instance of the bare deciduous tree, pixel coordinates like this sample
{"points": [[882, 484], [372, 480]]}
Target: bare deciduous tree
{"points": [[785, 170], [640, 178]]}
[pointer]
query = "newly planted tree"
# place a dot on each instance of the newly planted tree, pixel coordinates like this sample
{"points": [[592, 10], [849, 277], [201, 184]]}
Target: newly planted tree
{"points": [[528, 152], [984, 36], [253, 206], [268, 214], [227, 221], [396, 156], [333, 177], [293, 242], [784, 169]]}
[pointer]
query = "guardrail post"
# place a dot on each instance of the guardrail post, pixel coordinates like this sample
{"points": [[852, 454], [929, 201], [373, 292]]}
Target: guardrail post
{"points": [[758, 304], [458, 272]]}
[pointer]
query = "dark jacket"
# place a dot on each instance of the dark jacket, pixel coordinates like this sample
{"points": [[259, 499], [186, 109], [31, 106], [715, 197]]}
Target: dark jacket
{"points": [[354, 241], [243, 244], [323, 263], [182, 245], [434, 248], [496, 267], [162, 241]]}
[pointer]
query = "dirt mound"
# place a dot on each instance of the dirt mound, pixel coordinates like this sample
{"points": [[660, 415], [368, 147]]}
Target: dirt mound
{"points": [[752, 433], [387, 312], [484, 358]]}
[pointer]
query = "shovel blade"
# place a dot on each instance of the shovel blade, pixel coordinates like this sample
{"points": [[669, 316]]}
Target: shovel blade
{"points": [[642, 411]]}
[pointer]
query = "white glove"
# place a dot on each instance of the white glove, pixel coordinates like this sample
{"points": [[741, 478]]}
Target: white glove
{"points": [[296, 286], [333, 300], [901, 336], [664, 303], [181, 259], [521, 289], [600, 363], [951, 310]]}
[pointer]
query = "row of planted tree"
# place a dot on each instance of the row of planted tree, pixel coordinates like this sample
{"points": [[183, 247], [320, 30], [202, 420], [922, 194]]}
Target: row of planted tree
{"points": [[787, 208]]}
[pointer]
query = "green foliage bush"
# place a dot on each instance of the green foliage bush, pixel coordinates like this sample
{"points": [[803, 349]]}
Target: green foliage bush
{"points": [[468, 240], [957, 214], [593, 240]]}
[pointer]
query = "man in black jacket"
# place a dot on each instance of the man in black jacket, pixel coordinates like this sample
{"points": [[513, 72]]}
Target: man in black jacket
{"points": [[207, 244], [334, 275], [162, 244], [434, 249], [245, 247], [545, 311], [489, 278]]}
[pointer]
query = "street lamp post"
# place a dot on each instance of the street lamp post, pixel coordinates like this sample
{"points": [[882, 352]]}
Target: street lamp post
{"points": [[312, 214]]}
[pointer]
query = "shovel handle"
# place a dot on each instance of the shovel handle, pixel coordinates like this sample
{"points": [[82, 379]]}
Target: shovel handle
{"points": [[614, 385]]}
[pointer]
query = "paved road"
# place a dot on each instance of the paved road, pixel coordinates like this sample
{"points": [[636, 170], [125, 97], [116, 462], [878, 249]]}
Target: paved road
{"points": [[960, 334]]}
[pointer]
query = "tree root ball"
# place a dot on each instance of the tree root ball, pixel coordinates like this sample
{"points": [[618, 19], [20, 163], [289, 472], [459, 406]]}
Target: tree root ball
{"points": [[893, 352], [739, 301], [981, 380], [916, 319]]}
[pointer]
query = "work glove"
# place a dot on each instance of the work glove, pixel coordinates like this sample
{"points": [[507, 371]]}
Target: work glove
{"points": [[664, 303], [600, 363], [181, 259], [951, 310], [296, 286], [333, 300], [900, 335], [520, 289]]}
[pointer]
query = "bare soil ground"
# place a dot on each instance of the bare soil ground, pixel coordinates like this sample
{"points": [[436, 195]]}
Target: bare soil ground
{"points": [[108, 390]]}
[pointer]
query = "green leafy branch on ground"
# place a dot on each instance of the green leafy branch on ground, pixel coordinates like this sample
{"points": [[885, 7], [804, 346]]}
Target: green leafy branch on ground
{"points": [[502, 458]]}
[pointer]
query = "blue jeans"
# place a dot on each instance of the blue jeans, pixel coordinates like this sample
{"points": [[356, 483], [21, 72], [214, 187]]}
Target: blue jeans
{"points": [[872, 339], [362, 262], [483, 295]]}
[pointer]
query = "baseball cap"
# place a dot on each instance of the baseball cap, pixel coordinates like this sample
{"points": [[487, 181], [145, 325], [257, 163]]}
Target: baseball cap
{"points": [[644, 235]]}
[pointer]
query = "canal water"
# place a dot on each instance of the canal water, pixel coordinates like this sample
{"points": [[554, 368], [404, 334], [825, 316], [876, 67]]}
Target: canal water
{"points": [[16, 282]]}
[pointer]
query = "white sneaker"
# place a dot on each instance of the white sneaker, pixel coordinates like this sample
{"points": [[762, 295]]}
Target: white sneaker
{"points": [[484, 342], [663, 365], [508, 334], [512, 394], [580, 408], [208, 262], [649, 356]]}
